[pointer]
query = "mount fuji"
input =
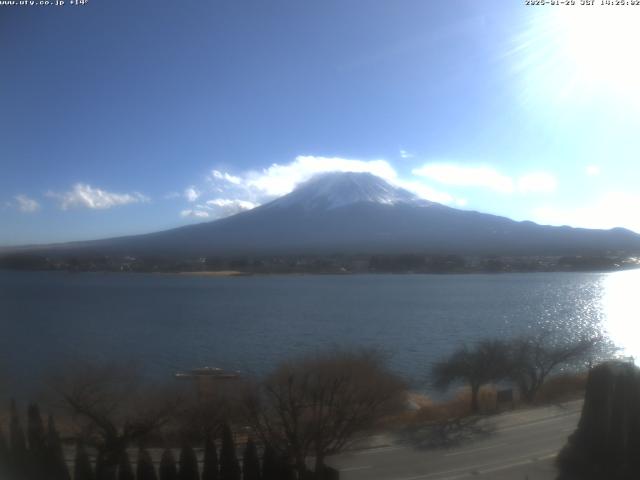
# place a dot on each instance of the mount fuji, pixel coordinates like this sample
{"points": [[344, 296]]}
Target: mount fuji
{"points": [[359, 213]]}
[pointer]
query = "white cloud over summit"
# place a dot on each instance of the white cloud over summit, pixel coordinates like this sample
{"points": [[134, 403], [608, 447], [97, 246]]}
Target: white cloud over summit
{"points": [[224, 193], [278, 180], [83, 195], [231, 193]]}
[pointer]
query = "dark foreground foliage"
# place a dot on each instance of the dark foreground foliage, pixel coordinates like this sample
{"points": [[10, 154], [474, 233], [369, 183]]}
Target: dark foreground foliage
{"points": [[607, 441], [39, 455]]}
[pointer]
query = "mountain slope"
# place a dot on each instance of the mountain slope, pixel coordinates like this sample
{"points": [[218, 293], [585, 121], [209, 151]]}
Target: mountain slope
{"points": [[361, 213]]}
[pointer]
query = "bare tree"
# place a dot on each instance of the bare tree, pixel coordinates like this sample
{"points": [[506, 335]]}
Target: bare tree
{"points": [[113, 407], [485, 362], [202, 415], [533, 358], [313, 406]]}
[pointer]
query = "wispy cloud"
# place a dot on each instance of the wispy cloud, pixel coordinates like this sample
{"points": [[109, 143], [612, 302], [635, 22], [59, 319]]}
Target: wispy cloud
{"points": [[83, 195], [484, 176], [610, 210], [194, 213], [26, 204], [217, 174], [537, 182], [463, 176], [192, 193], [218, 208], [405, 154]]}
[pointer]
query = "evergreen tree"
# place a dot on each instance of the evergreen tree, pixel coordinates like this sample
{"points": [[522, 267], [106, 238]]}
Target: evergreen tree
{"points": [[82, 469], [285, 469], [125, 470], [100, 467], [18, 453], [36, 439], [56, 464], [4, 456], [35, 431], [106, 468], [270, 468], [188, 464], [250, 462], [229, 467], [210, 467], [145, 469], [168, 470]]}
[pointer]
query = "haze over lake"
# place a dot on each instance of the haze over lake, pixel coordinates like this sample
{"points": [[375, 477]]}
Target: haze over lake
{"points": [[173, 322]]}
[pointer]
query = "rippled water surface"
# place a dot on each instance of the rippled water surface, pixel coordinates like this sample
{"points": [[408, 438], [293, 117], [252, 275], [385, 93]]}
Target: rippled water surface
{"points": [[169, 322]]}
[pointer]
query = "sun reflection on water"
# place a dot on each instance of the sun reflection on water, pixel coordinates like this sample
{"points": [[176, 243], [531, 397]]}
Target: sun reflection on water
{"points": [[621, 307]]}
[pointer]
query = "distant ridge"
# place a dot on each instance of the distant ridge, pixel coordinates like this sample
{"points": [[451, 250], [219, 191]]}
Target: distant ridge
{"points": [[358, 213]]}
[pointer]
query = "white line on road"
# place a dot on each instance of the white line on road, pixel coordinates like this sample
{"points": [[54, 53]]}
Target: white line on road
{"points": [[353, 469], [472, 450], [511, 465], [374, 451], [535, 422], [478, 469]]}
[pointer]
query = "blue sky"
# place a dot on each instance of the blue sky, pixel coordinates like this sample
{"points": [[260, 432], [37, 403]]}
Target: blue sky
{"points": [[122, 117]]}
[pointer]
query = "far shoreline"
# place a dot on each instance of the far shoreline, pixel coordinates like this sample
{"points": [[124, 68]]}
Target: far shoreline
{"points": [[211, 273]]}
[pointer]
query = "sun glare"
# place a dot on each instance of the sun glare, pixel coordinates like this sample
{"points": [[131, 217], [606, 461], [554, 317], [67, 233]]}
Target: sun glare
{"points": [[602, 43], [584, 51], [620, 305]]}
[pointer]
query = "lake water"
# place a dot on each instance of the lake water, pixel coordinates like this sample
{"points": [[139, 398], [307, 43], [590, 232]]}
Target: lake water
{"points": [[173, 322]]}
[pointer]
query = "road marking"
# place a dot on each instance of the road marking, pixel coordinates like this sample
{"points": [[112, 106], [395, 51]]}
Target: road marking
{"points": [[471, 450], [353, 469], [534, 422], [511, 465], [374, 451], [461, 472]]}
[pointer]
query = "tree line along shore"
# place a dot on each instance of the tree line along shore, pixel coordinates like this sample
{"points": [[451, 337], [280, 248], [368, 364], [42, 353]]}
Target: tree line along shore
{"points": [[321, 264]]}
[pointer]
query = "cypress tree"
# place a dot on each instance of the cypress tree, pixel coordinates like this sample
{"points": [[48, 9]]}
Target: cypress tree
{"points": [[188, 464], [17, 444], [105, 470], [100, 467], [145, 469], [56, 464], [250, 462], [229, 467], [210, 467], [270, 469], [125, 470], [168, 470], [285, 470], [82, 469], [35, 431], [4, 456], [37, 441]]}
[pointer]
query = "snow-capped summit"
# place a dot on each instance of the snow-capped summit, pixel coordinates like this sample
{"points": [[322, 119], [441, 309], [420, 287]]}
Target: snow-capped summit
{"points": [[332, 190]]}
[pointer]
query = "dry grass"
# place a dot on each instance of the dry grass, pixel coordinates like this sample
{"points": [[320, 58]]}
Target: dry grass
{"points": [[562, 387], [556, 389], [458, 406]]}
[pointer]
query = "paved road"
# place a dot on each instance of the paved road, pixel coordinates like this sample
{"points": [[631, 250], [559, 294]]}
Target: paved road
{"points": [[516, 445]]}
